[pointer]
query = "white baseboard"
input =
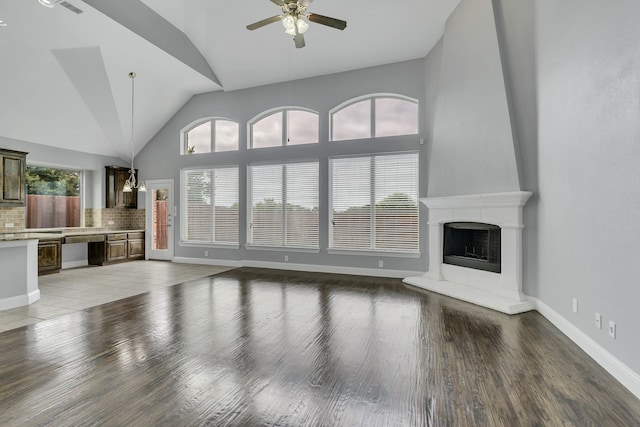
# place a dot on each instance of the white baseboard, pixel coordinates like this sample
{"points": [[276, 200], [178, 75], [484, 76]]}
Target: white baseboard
{"points": [[33, 296], [14, 302], [311, 268], [207, 261], [621, 372], [75, 264]]}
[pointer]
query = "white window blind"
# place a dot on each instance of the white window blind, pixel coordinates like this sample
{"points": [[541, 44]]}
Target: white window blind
{"points": [[211, 209], [374, 203], [284, 205]]}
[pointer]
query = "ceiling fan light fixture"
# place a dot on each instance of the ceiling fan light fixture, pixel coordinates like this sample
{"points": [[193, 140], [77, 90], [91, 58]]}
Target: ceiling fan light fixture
{"points": [[302, 26], [46, 3], [289, 22]]}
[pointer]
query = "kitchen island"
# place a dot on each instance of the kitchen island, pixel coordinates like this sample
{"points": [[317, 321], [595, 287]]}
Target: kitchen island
{"points": [[19, 266]]}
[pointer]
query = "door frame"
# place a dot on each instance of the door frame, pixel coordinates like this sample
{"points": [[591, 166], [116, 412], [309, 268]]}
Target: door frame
{"points": [[151, 185]]}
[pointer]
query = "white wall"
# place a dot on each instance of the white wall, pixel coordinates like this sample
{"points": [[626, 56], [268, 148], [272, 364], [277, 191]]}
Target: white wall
{"points": [[588, 54]]}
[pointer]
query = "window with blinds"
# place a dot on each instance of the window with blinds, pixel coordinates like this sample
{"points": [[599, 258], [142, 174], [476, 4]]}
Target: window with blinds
{"points": [[374, 203], [210, 211], [284, 205]]}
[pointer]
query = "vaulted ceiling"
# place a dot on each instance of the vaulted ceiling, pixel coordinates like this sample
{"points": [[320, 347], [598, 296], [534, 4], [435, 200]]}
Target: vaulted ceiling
{"points": [[64, 76]]}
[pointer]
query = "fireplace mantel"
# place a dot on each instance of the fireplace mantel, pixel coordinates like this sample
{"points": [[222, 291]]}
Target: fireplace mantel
{"points": [[498, 291]]}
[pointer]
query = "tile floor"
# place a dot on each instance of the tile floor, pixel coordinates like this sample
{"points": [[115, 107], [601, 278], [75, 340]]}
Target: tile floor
{"points": [[79, 288]]}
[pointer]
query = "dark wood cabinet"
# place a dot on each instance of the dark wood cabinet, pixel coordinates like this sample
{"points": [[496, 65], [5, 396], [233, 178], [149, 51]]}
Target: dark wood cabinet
{"points": [[117, 247], [49, 256], [135, 245], [13, 168], [116, 176]]}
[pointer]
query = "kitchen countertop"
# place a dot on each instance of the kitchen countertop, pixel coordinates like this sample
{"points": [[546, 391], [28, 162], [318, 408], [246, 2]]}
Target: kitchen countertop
{"points": [[44, 235]]}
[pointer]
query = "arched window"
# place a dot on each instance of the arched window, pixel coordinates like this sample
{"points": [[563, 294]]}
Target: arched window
{"points": [[374, 116], [284, 126], [211, 136]]}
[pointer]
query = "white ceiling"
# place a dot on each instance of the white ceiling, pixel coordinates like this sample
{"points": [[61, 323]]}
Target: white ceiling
{"points": [[64, 77]]}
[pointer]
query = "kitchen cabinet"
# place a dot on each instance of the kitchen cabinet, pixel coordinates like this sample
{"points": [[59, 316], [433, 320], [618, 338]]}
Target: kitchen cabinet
{"points": [[117, 247], [135, 245], [116, 198], [13, 168], [49, 256]]}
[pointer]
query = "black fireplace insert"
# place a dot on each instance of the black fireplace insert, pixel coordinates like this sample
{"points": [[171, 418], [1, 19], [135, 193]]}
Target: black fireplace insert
{"points": [[473, 245]]}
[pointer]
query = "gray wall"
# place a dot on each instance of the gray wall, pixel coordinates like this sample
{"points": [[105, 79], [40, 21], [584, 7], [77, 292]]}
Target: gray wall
{"points": [[473, 144], [161, 156], [515, 24], [588, 55]]}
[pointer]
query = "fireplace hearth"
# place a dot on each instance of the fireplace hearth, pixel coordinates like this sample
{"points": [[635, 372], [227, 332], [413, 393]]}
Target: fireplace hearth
{"points": [[472, 245], [475, 250]]}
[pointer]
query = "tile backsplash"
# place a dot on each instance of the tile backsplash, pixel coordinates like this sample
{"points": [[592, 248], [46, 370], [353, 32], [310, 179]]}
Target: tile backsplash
{"points": [[108, 219], [10, 216]]}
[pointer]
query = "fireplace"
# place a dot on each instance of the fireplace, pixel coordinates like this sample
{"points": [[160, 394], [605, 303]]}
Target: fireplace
{"points": [[467, 233], [473, 245]]}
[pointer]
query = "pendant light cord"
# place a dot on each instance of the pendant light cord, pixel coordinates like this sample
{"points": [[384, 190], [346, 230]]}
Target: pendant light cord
{"points": [[132, 75]]}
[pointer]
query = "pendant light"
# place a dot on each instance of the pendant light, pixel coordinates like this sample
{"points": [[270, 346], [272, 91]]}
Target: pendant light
{"points": [[130, 184]]}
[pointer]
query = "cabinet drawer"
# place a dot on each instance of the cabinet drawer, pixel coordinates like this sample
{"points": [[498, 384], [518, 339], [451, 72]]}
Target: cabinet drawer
{"points": [[117, 236], [84, 238], [135, 236]]}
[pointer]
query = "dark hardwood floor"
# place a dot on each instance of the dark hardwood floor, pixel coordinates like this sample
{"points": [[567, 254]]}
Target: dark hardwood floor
{"points": [[264, 347]]}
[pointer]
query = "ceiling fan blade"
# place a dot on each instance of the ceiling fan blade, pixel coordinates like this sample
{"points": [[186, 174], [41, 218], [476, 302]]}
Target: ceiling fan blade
{"points": [[278, 2], [264, 22], [299, 40], [330, 22]]}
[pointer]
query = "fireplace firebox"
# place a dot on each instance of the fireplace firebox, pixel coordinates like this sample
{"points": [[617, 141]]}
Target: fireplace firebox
{"points": [[472, 245]]}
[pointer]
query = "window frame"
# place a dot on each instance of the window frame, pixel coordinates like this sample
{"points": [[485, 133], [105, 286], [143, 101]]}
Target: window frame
{"points": [[285, 126], [249, 210], [82, 193], [372, 209], [184, 139], [372, 117], [183, 209]]}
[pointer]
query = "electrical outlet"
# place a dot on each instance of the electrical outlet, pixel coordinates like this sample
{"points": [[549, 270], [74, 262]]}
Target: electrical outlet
{"points": [[612, 329], [206, 253], [110, 222], [598, 320], [575, 305], [380, 263], [8, 225], [286, 258]]}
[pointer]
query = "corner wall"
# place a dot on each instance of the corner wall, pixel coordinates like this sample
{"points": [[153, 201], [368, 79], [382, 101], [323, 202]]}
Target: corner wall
{"points": [[589, 167]]}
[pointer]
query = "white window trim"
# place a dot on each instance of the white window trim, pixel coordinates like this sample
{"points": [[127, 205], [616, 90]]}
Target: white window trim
{"points": [[285, 126], [198, 122], [183, 205], [372, 97], [369, 252], [249, 209]]}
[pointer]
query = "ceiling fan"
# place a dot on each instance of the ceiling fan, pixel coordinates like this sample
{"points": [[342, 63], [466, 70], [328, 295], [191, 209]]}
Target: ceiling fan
{"points": [[294, 13]]}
